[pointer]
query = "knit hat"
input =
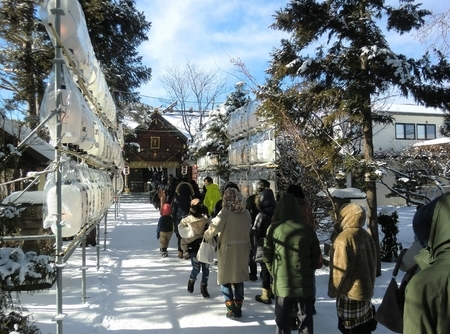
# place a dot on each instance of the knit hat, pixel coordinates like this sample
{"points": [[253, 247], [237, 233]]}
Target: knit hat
{"points": [[166, 210]]}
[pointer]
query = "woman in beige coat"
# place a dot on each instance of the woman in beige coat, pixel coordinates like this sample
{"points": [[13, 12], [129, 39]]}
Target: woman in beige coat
{"points": [[232, 226]]}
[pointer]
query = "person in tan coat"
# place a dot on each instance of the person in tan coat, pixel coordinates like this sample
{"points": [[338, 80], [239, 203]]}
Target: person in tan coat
{"points": [[232, 226], [352, 271]]}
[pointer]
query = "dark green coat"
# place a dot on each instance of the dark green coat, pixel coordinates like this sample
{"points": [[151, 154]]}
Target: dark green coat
{"points": [[427, 304], [291, 251]]}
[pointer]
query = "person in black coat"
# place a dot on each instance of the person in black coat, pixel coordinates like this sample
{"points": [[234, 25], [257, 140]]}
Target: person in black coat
{"points": [[266, 204], [184, 193], [251, 206]]}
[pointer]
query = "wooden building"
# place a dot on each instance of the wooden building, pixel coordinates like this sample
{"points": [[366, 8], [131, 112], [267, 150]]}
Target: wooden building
{"points": [[153, 151]]}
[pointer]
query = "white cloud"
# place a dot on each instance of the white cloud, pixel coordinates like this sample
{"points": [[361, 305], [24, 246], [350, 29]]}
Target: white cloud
{"points": [[211, 33]]}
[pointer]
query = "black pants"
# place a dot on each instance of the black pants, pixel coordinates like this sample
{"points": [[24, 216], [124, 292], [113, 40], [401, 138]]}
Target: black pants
{"points": [[265, 276], [283, 314], [365, 328]]}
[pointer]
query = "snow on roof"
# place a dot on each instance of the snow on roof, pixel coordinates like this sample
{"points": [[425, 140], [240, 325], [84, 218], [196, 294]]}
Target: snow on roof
{"points": [[437, 141], [28, 197], [349, 193], [412, 109], [21, 132]]}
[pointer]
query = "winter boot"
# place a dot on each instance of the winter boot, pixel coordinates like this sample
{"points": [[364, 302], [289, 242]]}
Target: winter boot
{"points": [[238, 308], [264, 297], [180, 254], [231, 308], [164, 252], [204, 290], [190, 286], [271, 295]]}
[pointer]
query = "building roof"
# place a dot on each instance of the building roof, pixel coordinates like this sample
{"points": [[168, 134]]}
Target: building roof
{"points": [[35, 146]]}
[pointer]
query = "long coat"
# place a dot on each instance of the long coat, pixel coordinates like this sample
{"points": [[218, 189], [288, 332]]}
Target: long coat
{"points": [[181, 203], [353, 265], [232, 226], [427, 301], [266, 204], [291, 251]]}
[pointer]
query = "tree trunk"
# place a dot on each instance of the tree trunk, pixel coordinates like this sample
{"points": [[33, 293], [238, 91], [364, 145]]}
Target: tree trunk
{"points": [[372, 214]]}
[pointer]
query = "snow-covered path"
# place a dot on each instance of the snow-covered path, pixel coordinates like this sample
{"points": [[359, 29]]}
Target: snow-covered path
{"points": [[137, 291]]}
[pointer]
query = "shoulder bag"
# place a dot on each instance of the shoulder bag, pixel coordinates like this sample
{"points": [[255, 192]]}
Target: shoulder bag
{"points": [[390, 311]]}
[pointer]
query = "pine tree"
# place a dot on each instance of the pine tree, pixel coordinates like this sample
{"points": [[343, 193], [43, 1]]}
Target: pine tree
{"points": [[116, 31], [352, 66], [25, 58]]}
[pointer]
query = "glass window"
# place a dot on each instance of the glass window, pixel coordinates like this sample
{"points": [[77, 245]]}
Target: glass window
{"points": [[404, 131], [426, 131]]}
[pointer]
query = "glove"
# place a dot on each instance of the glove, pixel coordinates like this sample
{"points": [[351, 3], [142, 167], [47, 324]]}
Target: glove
{"points": [[157, 236]]}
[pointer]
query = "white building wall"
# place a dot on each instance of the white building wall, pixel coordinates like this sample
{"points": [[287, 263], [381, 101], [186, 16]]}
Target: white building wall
{"points": [[385, 138], [384, 135]]}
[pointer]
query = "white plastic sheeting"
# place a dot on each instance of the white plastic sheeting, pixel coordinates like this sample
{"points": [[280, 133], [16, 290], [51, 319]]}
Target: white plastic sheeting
{"points": [[86, 194], [75, 38]]}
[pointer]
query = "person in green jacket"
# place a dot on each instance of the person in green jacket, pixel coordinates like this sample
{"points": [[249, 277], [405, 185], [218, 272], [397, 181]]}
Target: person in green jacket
{"points": [[212, 195], [291, 252], [427, 299]]}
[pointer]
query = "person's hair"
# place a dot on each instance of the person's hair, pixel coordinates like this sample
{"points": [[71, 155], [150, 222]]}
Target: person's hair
{"points": [[263, 184], [230, 184], [296, 190], [208, 179], [197, 210]]}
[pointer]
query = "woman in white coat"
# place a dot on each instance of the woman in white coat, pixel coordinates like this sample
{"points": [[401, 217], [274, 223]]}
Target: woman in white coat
{"points": [[232, 226]]}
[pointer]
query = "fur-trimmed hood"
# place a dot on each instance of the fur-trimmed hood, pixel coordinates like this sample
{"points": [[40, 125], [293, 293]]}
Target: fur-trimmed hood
{"points": [[185, 188]]}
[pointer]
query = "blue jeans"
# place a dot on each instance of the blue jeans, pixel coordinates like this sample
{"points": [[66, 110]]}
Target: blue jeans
{"points": [[228, 294], [196, 265]]}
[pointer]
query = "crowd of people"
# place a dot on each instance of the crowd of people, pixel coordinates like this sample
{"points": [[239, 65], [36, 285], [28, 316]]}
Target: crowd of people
{"points": [[280, 236]]}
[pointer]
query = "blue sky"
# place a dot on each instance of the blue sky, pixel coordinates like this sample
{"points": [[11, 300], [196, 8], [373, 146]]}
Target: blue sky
{"points": [[210, 33]]}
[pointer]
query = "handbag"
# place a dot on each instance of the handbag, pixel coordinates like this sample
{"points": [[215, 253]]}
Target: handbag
{"points": [[186, 231], [206, 251], [390, 311]]}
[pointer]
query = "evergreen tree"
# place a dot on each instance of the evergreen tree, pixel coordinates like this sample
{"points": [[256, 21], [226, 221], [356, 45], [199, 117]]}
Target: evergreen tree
{"points": [[116, 30], [25, 58], [353, 65]]}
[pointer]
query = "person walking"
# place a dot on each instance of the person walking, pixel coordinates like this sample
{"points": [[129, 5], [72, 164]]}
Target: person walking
{"points": [[232, 226], [307, 216], [197, 223], [253, 209], [180, 208], [164, 229], [211, 195], [291, 252], [352, 271], [427, 302], [265, 204]]}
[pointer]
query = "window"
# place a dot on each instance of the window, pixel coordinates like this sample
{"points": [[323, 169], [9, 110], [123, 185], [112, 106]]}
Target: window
{"points": [[426, 131], [154, 143], [404, 131]]}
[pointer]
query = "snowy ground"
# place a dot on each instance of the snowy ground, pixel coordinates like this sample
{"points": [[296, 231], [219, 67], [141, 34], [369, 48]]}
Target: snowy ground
{"points": [[136, 291]]}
